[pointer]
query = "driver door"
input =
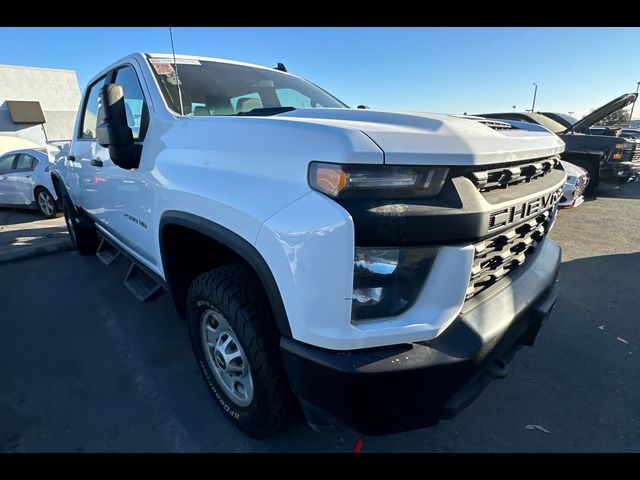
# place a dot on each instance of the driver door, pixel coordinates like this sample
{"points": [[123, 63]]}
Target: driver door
{"points": [[125, 196]]}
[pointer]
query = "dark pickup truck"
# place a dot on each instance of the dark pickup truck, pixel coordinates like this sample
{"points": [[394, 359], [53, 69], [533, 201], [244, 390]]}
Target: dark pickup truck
{"points": [[632, 133], [604, 157]]}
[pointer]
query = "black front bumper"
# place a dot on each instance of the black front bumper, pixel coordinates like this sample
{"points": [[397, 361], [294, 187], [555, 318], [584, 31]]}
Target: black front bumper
{"points": [[621, 171], [408, 386]]}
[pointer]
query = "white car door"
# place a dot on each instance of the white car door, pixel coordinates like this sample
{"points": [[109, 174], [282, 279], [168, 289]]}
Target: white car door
{"points": [[8, 195], [22, 178]]}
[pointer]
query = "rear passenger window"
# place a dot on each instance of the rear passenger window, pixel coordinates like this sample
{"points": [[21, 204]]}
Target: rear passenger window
{"points": [[25, 163], [90, 112]]}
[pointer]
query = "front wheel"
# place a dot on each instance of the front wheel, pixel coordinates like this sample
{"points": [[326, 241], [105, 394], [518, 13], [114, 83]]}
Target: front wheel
{"points": [[45, 203], [236, 343]]}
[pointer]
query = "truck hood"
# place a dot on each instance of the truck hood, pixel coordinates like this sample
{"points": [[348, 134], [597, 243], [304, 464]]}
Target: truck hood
{"points": [[437, 139], [582, 126]]}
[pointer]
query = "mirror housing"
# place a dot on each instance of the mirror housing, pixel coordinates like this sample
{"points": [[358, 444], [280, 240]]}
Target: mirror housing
{"points": [[113, 130]]}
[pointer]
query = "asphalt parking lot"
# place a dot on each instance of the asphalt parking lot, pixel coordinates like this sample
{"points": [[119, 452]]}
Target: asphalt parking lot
{"points": [[85, 367], [26, 234]]}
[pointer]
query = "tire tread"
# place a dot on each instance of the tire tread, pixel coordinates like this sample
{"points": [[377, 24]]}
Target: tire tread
{"points": [[235, 289]]}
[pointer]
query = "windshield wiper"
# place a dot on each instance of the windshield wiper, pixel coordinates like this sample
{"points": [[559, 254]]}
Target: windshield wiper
{"points": [[266, 111]]}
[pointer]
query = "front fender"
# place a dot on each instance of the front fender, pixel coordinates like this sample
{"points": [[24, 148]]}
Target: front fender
{"points": [[309, 246]]}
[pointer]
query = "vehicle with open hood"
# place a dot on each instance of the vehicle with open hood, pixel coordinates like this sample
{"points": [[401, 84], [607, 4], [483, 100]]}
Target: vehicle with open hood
{"points": [[604, 157]]}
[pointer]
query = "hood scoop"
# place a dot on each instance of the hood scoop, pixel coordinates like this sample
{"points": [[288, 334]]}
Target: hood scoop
{"points": [[496, 124]]}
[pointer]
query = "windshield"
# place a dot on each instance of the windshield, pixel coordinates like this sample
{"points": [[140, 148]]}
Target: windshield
{"points": [[546, 122], [631, 133], [568, 119], [211, 88]]}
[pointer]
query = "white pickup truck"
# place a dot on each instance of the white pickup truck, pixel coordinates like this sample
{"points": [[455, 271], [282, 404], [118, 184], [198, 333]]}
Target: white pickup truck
{"points": [[376, 268]]}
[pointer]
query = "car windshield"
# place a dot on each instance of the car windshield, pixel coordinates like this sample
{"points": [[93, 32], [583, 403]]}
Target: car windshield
{"points": [[567, 118], [548, 123], [631, 133], [210, 88]]}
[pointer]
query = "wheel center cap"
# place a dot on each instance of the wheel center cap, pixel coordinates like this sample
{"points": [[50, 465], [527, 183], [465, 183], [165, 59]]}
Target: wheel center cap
{"points": [[220, 360]]}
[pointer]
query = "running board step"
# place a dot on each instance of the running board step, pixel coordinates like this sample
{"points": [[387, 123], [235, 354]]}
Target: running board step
{"points": [[141, 284], [107, 253]]}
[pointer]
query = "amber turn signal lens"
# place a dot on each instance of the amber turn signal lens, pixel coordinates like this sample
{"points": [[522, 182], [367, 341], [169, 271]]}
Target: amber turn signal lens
{"points": [[376, 181], [330, 179]]}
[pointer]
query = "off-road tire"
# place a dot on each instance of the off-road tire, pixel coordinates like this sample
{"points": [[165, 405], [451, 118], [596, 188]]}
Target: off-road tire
{"points": [[234, 291]]}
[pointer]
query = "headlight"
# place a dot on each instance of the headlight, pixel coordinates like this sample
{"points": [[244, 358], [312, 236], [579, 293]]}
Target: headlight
{"points": [[386, 281], [376, 181], [622, 150]]}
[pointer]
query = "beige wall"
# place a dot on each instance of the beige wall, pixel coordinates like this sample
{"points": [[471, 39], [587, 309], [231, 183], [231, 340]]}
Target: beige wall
{"points": [[56, 90]]}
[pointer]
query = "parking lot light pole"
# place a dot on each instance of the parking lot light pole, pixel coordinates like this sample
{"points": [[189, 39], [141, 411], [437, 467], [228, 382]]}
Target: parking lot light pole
{"points": [[533, 107], [633, 105], [514, 107]]}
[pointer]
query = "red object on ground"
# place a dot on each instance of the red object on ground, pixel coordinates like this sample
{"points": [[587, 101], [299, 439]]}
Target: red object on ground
{"points": [[358, 446]]}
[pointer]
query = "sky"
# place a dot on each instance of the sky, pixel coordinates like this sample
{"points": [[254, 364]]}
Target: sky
{"points": [[448, 70]]}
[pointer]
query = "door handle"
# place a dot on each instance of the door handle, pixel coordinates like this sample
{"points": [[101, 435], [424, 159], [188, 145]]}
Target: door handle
{"points": [[97, 163], [4, 177], [27, 176]]}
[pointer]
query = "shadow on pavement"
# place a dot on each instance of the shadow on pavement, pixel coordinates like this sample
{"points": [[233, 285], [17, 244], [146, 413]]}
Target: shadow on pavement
{"points": [[28, 228], [14, 216], [611, 190]]}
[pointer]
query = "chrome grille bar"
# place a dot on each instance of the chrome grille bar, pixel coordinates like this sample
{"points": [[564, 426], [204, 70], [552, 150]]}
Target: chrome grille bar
{"points": [[501, 177], [499, 255]]}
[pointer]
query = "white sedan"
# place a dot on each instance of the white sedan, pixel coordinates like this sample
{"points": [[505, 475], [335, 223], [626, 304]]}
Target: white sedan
{"points": [[25, 181]]}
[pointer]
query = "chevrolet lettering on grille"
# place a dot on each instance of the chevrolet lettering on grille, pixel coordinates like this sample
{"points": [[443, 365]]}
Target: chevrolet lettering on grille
{"points": [[523, 210]]}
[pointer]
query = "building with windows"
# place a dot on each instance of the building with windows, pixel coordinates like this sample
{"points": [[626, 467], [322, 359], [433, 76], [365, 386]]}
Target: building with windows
{"points": [[37, 105]]}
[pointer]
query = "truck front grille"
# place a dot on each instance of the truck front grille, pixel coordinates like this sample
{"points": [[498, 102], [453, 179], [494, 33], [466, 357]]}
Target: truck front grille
{"points": [[513, 174], [636, 153], [501, 254]]}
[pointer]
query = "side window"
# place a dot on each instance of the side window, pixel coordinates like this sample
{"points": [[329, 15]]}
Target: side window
{"points": [[133, 101], [90, 112], [292, 98], [6, 163], [25, 163]]}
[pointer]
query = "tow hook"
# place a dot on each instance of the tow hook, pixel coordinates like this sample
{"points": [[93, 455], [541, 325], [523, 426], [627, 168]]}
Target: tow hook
{"points": [[499, 368]]}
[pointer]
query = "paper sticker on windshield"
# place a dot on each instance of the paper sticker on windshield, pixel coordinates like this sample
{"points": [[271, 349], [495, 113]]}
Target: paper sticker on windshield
{"points": [[163, 68], [179, 61]]}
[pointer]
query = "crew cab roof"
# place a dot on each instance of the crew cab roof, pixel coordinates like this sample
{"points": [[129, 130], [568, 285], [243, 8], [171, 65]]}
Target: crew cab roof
{"points": [[142, 56], [205, 59]]}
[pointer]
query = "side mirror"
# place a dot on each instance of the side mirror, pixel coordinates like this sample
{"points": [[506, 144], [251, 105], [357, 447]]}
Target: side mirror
{"points": [[113, 131]]}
